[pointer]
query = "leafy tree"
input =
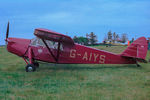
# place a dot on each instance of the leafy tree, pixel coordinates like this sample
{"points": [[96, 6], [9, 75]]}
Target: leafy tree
{"points": [[114, 37], [80, 40], [92, 38], [75, 38], [109, 34], [124, 38], [87, 36], [117, 37], [132, 40]]}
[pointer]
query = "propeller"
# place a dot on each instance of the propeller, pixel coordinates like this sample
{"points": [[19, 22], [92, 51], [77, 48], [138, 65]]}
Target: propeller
{"points": [[7, 32]]}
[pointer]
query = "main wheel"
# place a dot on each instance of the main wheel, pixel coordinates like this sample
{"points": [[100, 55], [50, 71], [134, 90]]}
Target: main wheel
{"points": [[36, 64], [30, 68]]}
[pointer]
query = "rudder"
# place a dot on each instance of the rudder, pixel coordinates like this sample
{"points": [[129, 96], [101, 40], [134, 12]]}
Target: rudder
{"points": [[138, 49]]}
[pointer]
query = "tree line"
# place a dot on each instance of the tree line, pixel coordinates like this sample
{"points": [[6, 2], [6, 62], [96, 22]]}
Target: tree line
{"points": [[114, 37], [91, 38]]}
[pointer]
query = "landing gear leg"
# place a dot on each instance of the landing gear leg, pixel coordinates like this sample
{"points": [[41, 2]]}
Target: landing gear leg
{"points": [[31, 66]]}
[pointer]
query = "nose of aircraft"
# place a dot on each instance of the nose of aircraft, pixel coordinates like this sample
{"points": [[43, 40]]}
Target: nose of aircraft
{"points": [[17, 46]]}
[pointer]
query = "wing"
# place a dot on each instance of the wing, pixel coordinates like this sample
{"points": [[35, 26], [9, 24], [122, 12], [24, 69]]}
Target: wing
{"points": [[53, 36]]}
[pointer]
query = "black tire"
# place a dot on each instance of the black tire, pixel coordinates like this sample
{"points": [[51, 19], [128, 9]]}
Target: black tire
{"points": [[30, 68], [36, 64]]}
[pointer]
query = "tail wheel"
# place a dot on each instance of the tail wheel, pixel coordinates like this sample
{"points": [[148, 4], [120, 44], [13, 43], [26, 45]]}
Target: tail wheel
{"points": [[30, 68]]}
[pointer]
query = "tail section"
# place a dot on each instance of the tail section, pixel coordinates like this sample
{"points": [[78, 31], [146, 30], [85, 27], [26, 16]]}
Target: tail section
{"points": [[137, 50]]}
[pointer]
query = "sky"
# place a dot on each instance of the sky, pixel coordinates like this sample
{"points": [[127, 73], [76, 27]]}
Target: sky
{"points": [[75, 17]]}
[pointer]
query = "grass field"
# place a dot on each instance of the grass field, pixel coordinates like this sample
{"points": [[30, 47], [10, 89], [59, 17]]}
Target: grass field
{"points": [[73, 82]]}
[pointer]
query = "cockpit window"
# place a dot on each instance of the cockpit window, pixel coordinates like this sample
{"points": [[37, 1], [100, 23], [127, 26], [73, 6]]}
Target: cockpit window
{"points": [[51, 44], [37, 42], [54, 45]]}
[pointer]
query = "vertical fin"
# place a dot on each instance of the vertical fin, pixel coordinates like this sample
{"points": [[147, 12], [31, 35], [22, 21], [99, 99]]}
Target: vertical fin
{"points": [[138, 49]]}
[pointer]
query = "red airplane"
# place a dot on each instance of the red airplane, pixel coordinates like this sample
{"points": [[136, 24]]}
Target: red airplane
{"points": [[53, 47]]}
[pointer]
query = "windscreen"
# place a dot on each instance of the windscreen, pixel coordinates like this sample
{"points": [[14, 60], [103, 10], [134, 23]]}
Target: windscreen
{"points": [[51, 44]]}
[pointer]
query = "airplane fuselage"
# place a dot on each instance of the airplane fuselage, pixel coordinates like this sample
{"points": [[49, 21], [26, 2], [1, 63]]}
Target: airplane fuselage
{"points": [[74, 54]]}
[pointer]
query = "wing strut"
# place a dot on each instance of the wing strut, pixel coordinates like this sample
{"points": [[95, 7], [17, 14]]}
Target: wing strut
{"points": [[50, 51], [58, 50]]}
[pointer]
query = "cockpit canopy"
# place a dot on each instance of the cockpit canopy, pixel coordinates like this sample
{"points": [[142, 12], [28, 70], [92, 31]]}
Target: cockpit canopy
{"points": [[51, 44]]}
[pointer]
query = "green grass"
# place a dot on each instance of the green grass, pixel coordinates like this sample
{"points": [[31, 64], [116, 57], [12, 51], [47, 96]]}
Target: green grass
{"points": [[73, 82]]}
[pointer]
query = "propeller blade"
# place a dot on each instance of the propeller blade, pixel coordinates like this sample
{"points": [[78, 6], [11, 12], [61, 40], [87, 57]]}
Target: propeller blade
{"points": [[7, 32]]}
